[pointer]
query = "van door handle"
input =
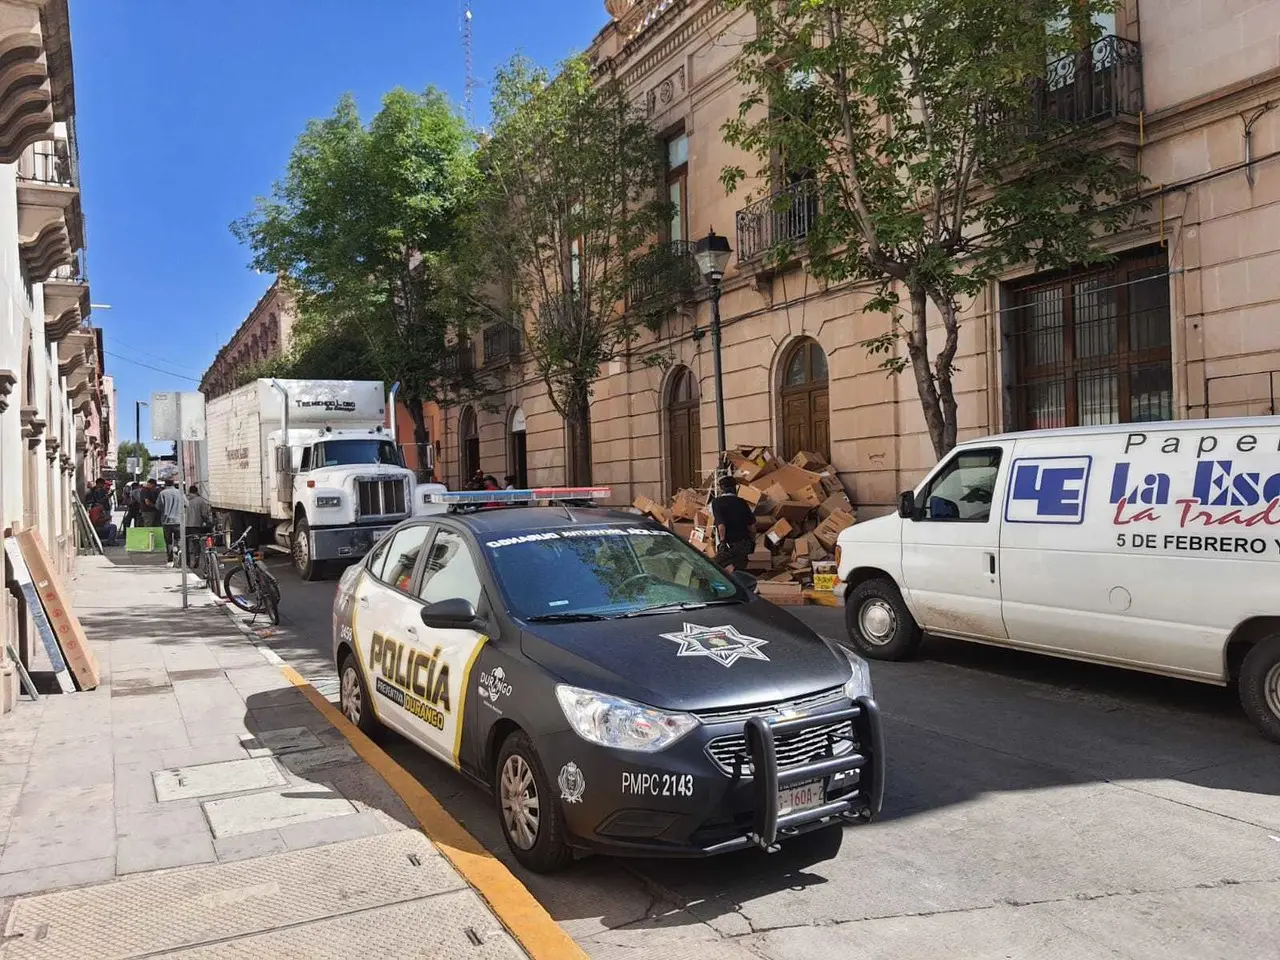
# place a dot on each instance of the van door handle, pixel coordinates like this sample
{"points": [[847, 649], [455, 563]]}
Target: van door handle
{"points": [[991, 563]]}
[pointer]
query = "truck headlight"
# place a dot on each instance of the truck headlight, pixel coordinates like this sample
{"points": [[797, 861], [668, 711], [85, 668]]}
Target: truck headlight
{"points": [[614, 722], [328, 501], [858, 685]]}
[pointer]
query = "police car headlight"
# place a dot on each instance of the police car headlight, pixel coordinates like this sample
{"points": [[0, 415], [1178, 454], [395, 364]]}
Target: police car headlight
{"points": [[859, 684], [614, 722]]}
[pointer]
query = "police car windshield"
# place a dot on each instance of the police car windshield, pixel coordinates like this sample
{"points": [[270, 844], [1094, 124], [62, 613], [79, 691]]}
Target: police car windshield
{"points": [[603, 571]]}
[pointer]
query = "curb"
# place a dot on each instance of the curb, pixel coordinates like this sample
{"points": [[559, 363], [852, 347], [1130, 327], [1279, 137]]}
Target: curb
{"points": [[510, 900]]}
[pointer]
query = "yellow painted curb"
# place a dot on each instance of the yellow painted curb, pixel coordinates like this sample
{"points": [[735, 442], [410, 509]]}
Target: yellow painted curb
{"points": [[523, 916]]}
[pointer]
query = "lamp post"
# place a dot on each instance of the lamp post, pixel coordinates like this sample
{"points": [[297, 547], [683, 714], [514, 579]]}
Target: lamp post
{"points": [[137, 436], [712, 256]]}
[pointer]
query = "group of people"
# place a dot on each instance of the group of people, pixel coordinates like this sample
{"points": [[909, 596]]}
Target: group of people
{"points": [[150, 505], [486, 481]]}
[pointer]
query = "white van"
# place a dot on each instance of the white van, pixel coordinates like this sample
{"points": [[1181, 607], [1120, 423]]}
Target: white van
{"points": [[1149, 546]]}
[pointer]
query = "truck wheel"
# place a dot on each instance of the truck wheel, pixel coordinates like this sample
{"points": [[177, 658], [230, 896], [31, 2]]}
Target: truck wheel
{"points": [[353, 697], [300, 548], [880, 625], [1260, 687], [528, 809]]}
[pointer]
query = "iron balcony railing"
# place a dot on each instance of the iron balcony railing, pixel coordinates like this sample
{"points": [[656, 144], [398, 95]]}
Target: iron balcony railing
{"points": [[503, 342], [668, 271], [74, 272], [782, 218], [460, 360], [47, 161], [1098, 83]]}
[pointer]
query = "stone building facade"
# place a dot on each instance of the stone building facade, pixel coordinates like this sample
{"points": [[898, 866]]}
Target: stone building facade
{"points": [[55, 418], [265, 333], [1186, 322]]}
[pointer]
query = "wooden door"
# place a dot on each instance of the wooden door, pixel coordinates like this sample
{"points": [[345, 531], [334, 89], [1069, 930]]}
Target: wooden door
{"points": [[684, 430], [805, 401]]}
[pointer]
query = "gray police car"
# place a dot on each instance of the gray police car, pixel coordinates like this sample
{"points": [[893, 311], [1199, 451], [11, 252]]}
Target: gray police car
{"points": [[614, 689]]}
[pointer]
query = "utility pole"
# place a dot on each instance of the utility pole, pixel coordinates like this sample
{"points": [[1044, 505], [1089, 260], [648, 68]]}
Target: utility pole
{"points": [[137, 436]]}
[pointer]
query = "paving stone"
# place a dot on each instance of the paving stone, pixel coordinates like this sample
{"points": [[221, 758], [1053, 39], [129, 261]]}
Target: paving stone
{"points": [[134, 786], [245, 845], [278, 718], [289, 740], [138, 737], [66, 804], [215, 779], [70, 767], [278, 808], [205, 750], [154, 838], [308, 761], [58, 876], [298, 836], [43, 842]]}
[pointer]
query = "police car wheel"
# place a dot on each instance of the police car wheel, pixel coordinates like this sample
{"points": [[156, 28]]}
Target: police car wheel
{"points": [[1260, 687], [880, 625], [353, 697], [527, 809]]}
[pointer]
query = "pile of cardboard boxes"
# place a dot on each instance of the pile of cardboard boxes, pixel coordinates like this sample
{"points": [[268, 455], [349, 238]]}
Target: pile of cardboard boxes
{"points": [[800, 509]]}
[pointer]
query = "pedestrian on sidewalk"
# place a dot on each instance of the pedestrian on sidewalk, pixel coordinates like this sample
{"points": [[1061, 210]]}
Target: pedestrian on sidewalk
{"points": [[98, 494], [133, 506], [171, 504], [101, 520], [149, 502], [735, 523]]}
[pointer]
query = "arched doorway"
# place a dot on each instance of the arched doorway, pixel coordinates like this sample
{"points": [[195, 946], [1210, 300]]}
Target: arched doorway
{"points": [[684, 430], [805, 407], [468, 445], [518, 449]]}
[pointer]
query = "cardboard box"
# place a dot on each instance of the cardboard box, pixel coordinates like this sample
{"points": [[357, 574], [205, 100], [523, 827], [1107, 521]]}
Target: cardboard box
{"points": [[778, 532], [831, 484], [792, 511], [57, 607], [702, 518], [793, 478], [774, 494], [807, 460], [686, 503], [801, 548], [783, 593], [824, 581], [742, 468], [750, 493], [760, 560], [697, 537], [814, 548], [807, 495], [829, 529], [643, 503], [683, 530], [837, 501]]}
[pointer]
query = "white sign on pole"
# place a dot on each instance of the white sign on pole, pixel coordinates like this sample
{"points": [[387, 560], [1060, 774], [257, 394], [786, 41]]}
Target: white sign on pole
{"points": [[191, 416], [132, 465], [164, 416]]}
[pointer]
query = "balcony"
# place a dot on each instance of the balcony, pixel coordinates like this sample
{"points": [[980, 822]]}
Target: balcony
{"points": [[66, 299], [50, 224], [667, 274], [773, 222], [503, 342], [459, 360], [1097, 84], [47, 161]]}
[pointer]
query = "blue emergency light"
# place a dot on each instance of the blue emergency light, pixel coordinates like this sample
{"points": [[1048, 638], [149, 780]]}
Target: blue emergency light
{"points": [[481, 498]]}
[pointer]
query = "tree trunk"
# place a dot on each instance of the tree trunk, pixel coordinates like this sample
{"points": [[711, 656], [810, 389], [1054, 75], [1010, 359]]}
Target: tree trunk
{"points": [[578, 426], [931, 404], [420, 436]]}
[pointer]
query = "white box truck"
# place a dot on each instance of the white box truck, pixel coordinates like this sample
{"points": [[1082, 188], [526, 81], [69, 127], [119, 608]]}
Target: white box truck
{"points": [[1152, 546], [311, 465]]}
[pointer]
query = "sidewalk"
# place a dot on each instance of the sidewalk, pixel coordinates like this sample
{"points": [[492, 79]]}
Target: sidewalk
{"points": [[201, 805]]}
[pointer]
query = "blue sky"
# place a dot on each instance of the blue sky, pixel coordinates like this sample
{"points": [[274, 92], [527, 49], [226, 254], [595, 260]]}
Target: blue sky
{"points": [[185, 112]]}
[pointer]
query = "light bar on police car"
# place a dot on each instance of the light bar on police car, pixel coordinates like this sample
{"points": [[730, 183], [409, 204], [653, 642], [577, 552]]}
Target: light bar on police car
{"points": [[537, 495]]}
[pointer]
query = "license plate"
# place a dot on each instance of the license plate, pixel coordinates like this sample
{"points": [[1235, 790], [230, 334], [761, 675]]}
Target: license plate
{"points": [[803, 796]]}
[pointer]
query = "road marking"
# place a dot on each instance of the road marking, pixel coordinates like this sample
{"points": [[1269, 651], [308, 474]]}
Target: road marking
{"points": [[524, 917]]}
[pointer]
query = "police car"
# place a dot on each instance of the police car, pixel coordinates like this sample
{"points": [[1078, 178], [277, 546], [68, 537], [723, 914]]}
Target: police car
{"points": [[613, 687]]}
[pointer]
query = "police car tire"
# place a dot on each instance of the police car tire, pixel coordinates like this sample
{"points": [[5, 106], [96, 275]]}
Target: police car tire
{"points": [[369, 724], [1256, 673], [906, 633], [549, 852]]}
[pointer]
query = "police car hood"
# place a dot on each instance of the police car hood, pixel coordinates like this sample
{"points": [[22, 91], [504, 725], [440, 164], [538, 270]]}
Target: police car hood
{"points": [[714, 657]]}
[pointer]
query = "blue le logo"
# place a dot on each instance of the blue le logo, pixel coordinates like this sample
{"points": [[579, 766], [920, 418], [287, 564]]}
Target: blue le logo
{"points": [[1048, 490]]}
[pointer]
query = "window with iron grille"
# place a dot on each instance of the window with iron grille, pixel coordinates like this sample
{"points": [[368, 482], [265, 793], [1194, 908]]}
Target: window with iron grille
{"points": [[1091, 347]]}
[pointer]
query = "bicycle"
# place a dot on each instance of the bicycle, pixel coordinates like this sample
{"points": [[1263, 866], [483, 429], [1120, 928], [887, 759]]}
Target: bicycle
{"points": [[251, 586], [210, 564]]}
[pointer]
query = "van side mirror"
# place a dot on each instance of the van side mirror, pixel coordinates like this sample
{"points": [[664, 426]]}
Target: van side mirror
{"points": [[907, 509], [453, 614]]}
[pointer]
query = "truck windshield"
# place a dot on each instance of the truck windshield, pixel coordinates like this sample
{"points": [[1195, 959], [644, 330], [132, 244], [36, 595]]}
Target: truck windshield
{"points": [[603, 572], [342, 453]]}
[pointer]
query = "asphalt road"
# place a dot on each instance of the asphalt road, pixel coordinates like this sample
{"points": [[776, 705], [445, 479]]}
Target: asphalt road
{"points": [[1035, 809]]}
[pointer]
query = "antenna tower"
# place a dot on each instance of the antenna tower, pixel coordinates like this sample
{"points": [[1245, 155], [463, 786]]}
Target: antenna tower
{"points": [[469, 88]]}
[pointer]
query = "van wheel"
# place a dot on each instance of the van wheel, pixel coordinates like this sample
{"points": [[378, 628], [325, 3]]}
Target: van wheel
{"points": [[1260, 687], [879, 623], [528, 809]]}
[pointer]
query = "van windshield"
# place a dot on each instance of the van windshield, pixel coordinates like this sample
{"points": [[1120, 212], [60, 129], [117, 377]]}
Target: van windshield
{"points": [[603, 572], [343, 453]]}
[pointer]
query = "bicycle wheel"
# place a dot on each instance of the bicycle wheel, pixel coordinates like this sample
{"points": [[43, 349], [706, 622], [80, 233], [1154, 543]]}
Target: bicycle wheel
{"points": [[270, 595], [240, 591], [213, 574]]}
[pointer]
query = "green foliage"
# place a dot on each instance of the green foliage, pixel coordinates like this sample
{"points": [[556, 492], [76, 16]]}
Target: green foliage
{"points": [[129, 449], [934, 169], [568, 201], [365, 227]]}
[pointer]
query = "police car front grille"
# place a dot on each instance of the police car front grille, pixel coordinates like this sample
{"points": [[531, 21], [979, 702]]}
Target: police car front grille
{"points": [[793, 749], [786, 708], [381, 498]]}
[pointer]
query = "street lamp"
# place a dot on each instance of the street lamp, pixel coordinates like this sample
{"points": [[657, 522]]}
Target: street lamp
{"points": [[137, 436], [712, 256]]}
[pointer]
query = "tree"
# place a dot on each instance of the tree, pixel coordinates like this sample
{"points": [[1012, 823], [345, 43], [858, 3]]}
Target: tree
{"points": [[935, 171], [130, 449], [365, 226], [569, 199]]}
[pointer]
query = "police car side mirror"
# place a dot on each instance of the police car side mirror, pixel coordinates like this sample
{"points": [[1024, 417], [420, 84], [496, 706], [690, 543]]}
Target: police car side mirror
{"points": [[452, 614], [746, 581], [907, 505]]}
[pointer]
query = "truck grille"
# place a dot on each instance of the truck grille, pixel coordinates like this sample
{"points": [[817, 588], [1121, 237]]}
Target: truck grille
{"points": [[381, 498], [794, 749]]}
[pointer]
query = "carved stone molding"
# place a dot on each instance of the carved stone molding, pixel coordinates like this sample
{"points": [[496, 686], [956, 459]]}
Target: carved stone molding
{"points": [[8, 380], [667, 91]]}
